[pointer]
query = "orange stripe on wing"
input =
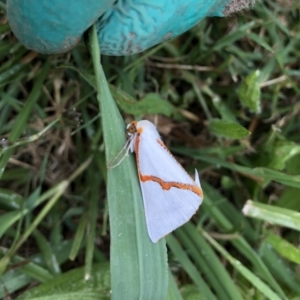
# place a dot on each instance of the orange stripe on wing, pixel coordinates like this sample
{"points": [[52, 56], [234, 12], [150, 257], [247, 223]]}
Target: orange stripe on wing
{"points": [[167, 185], [164, 184]]}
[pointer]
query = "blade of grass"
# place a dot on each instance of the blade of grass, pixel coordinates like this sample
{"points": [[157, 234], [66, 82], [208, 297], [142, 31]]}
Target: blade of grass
{"points": [[284, 248], [173, 292], [94, 181], [275, 215], [25, 114], [281, 270], [138, 267], [60, 189], [212, 205], [47, 253], [207, 261], [263, 175], [259, 284], [28, 268], [189, 267], [78, 237], [29, 139]]}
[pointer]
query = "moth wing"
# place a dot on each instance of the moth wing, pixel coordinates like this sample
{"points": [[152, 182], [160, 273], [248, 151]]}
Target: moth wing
{"points": [[156, 160], [165, 209]]}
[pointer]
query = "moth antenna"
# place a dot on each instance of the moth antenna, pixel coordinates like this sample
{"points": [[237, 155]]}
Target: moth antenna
{"points": [[110, 165]]}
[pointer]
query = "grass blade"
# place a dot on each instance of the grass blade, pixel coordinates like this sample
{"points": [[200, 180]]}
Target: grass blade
{"points": [[275, 215], [138, 267], [260, 285]]}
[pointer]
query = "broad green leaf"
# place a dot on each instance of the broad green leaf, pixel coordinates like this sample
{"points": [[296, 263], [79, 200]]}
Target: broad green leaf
{"points": [[138, 267], [249, 92], [284, 248], [227, 129]]}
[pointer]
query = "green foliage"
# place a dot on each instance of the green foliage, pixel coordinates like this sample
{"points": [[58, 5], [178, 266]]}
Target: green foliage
{"points": [[73, 227], [249, 92], [70, 285], [226, 129]]}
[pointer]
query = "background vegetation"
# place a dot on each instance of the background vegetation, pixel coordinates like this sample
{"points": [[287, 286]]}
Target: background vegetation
{"points": [[225, 98]]}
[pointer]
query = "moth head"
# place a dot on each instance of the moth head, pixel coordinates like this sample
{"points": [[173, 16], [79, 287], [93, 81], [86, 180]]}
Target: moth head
{"points": [[131, 129]]}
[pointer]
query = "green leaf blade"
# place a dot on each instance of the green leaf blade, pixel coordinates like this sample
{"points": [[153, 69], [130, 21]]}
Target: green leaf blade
{"points": [[138, 266]]}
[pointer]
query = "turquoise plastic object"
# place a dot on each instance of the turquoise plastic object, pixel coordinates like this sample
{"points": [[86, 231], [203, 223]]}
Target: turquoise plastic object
{"points": [[53, 26], [134, 25], [124, 26]]}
